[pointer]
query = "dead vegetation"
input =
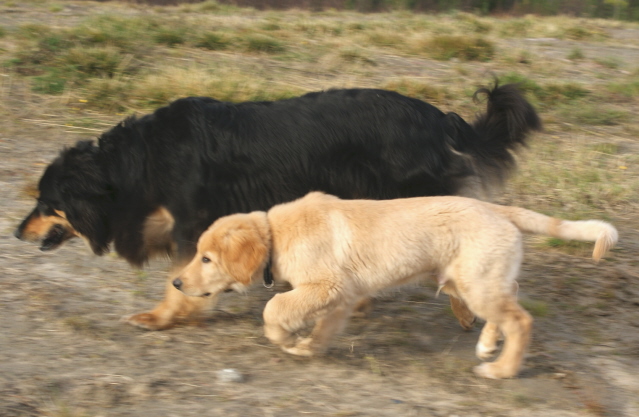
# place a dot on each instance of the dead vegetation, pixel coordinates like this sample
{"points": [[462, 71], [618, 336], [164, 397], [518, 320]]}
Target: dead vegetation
{"points": [[71, 70]]}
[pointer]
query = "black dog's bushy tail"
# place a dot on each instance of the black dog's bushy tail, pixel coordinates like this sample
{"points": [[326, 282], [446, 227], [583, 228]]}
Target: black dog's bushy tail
{"points": [[502, 129], [508, 119]]}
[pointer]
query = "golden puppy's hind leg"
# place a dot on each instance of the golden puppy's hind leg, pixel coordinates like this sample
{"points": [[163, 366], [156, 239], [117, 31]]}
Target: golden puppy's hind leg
{"points": [[516, 325]]}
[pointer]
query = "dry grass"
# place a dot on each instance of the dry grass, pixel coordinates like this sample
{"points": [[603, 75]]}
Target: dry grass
{"points": [[126, 58]]}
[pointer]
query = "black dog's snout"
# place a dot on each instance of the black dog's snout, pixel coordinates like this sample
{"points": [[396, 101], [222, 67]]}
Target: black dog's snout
{"points": [[177, 283], [18, 233]]}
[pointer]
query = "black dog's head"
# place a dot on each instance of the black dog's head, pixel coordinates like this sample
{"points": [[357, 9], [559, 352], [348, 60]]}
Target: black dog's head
{"points": [[75, 200]]}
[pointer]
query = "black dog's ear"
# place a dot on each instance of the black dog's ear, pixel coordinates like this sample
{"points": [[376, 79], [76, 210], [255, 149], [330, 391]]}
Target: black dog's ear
{"points": [[86, 196]]}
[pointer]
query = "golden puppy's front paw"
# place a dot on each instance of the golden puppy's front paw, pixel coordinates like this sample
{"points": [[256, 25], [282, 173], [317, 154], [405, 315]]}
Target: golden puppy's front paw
{"points": [[467, 323], [148, 321], [484, 352], [301, 348], [493, 371]]}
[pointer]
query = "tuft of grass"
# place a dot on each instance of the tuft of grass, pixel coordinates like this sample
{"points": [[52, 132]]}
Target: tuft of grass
{"points": [[157, 89], [420, 90], [270, 26], [550, 94], [576, 54], [610, 62], [385, 38], [472, 22], [516, 28], [33, 31], [355, 55], [53, 82], [629, 89], [79, 324], [596, 115], [130, 35], [606, 148], [92, 61], [571, 247], [263, 43], [465, 48], [553, 93], [535, 307], [110, 94], [213, 41], [582, 32], [170, 36]]}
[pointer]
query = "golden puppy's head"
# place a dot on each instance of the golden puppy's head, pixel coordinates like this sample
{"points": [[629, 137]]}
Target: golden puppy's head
{"points": [[230, 254]]}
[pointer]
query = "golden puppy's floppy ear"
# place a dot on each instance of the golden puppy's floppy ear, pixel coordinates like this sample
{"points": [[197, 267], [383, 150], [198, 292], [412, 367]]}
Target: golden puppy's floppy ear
{"points": [[243, 250]]}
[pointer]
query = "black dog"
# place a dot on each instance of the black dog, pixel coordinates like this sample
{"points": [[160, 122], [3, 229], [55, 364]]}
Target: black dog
{"points": [[154, 184]]}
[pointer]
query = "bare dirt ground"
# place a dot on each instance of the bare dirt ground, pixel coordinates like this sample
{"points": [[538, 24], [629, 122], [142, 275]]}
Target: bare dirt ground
{"points": [[64, 351]]}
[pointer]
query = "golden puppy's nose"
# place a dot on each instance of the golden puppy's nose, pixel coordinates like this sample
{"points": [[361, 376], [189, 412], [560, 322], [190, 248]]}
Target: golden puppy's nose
{"points": [[177, 283]]}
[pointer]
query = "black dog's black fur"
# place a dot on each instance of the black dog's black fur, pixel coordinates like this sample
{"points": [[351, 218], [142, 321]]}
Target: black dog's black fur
{"points": [[203, 159]]}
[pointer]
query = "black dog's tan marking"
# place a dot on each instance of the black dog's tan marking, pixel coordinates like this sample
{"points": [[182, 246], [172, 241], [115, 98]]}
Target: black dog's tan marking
{"points": [[153, 184], [47, 227]]}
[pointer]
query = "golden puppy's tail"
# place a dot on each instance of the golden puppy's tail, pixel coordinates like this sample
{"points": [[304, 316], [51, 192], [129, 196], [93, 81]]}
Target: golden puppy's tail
{"points": [[603, 234]]}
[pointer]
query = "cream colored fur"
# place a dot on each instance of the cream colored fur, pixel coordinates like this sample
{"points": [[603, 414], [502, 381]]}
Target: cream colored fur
{"points": [[336, 252]]}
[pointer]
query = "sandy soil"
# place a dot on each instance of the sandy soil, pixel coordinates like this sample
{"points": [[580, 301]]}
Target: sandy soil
{"points": [[64, 351]]}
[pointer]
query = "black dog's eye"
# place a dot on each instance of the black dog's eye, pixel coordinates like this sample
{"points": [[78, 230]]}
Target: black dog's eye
{"points": [[205, 260]]}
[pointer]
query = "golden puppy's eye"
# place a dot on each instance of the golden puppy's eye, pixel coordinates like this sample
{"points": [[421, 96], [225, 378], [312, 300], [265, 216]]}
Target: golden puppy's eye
{"points": [[205, 260]]}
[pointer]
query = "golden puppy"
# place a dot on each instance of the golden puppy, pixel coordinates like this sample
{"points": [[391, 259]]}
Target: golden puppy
{"points": [[335, 252]]}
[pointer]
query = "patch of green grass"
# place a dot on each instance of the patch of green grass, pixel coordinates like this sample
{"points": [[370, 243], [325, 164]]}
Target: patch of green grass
{"points": [[270, 26], [535, 307], [355, 55], [53, 82], [576, 54], [582, 32], [628, 89], [385, 38], [571, 247], [32, 59], [549, 94], [79, 324], [465, 48], [610, 62], [263, 43], [525, 84], [420, 90], [92, 61], [3, 32], [606, 148], [596, 115], [110, 94], [473, 23], [33, 31], [213, 41], [554, 93], [516, 28], [212, 6], [374, 365], [170, 36], [130, 35]]}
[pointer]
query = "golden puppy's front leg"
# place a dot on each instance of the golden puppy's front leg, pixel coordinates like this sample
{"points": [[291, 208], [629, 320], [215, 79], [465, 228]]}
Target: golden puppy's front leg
{"points": [[289, 312], [325, 328], [487, 344], [465, 317], [461, 311], [276, 329], [175, 307]]}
